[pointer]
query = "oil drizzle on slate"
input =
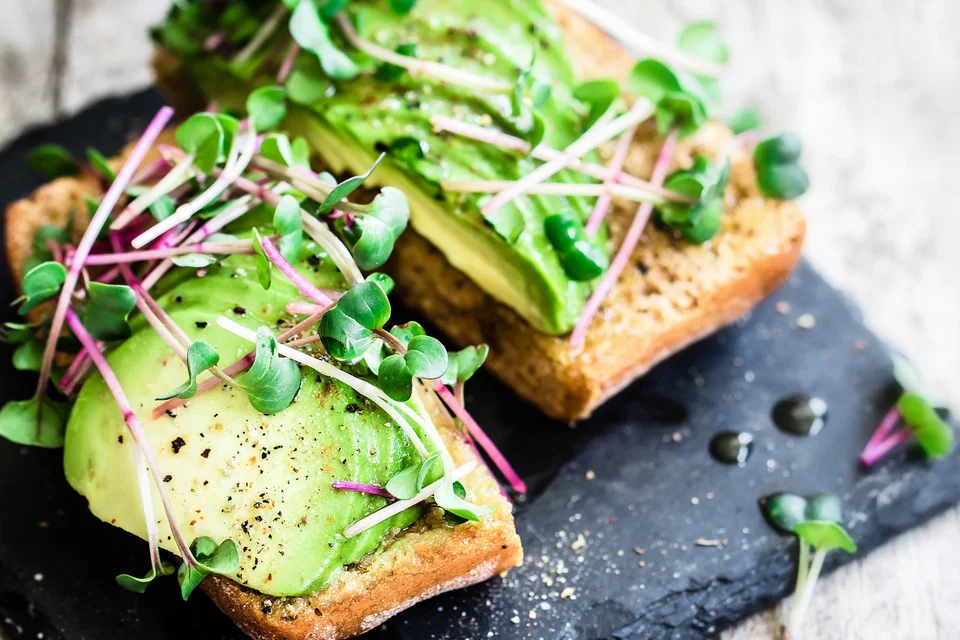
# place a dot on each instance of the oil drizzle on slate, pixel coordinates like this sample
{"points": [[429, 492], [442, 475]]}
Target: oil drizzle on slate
{"points": [[731, 447], [800, 415]]}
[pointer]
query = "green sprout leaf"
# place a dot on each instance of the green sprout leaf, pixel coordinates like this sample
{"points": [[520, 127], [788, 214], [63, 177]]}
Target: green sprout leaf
{"points": [[40, 284], [426, 358], [598, 95], [395, 378], [402, 6], [100, 165], [139, 585], [16, 333], [346, 330], [447, 498], [52, 160], [223, 560], [312, 34], [580, 257], [203, 134], [45, 234], [785, 510], [289, 226], [367, 304], [407, 332], [161, 208], [679, 97], [375, 245], [345, 188], [28, 356], [705, 182], [28, 422], [934, 435], [267, 107], [106, 312], [273, 381], [822, 534], [200, 357], [461, 365], [413, 479], [390, 72], [747, 119], [277, 147], [384, 281], [702, 39], [779, 174]]}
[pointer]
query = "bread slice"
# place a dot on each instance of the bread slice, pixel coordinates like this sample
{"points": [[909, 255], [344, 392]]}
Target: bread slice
{"points": [[422, 561], [672, 294]]}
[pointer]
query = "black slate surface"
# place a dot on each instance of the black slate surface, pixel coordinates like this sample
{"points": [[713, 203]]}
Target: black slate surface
{"points": [[654, 486]]}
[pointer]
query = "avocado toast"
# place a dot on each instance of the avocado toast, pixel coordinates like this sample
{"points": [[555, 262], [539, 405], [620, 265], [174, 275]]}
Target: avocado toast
{"points": [[300, 486], [566, 331]]}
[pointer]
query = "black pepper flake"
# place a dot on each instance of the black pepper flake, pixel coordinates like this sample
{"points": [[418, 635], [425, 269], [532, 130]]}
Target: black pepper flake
{"points": [[644, 269], [257, 505], [120, 439], [354, 408], [314, 261], [381, 147], [171, 413], [205, 453], [240, 311], [178, 299], [177, 444], [167, 478], [267, 610], [259, 518], [201, 325]]}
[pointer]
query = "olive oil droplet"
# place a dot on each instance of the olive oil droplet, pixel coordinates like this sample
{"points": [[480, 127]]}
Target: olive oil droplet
{"points": [[731, 447], [800, 415]]}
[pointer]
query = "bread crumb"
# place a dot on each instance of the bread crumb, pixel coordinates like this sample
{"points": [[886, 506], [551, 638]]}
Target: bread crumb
{"points": [[579, 543], [783, 307], [567, 593], [706, 542], [807, 321], [590, 475], [638, 551], [641, 564], [515, 619], [694, 500]]}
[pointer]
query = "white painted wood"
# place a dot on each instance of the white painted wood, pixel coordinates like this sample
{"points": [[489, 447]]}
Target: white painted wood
{"points": [[872, 86]]}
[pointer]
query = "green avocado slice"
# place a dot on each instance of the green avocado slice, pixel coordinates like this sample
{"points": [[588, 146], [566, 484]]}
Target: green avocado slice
{"points": [[348, 123], [231, 472]]}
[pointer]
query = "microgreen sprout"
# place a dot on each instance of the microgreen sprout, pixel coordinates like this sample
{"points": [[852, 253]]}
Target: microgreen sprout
{"points": [[273, 381], [40, 284], [747, 119], [704, 182], [779, 174], [52, 160], [200, 357], [917, 408], [222, 559], [580, 256], [310, 31]]}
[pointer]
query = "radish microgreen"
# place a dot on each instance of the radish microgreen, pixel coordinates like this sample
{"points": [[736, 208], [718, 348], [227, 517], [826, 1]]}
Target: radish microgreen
{"points": [[411, 481], [461, 365], [40, 284], [705, 183], [345, 188], [747, 119], [288, 224], [308, 30], [277, 147], [200, 357], [202, 136], [267, 107], [222, 559], [105, 314], [580, 256], [139, 585], [34, 422], [99, 164], [779, 174], [425, 358], [346, 330], [599, 96], [53, 161], [272, 382]]}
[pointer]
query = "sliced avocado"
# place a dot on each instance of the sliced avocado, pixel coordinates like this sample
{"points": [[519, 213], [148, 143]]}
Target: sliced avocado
{"points": [[231, 472], [348, 123]]}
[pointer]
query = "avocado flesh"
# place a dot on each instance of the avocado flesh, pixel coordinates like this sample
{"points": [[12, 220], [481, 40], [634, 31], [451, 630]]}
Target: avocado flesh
{"points": [[263, 481], [349, 122]]}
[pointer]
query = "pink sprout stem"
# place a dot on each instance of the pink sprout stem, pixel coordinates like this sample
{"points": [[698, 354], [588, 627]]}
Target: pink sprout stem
{"points": [[107, 204], [616, 165], [287, 65], [626, 249], [372, 489], [873, 454], [886, 425], [301, 308], [591, 139], [133, 425], [109, 275], [306, 287], [76, 371]]}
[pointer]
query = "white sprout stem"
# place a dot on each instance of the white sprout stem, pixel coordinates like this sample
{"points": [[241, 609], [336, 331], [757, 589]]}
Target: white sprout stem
{"points": [[430, 429], [146, 500], [441, 72], [591, 139], [97, 222], [334, 247], [541, 152], [179, 174], [233, 169], [262, 35], [602, 205], [639, 43], [133, 426], [394, 508], [624, 253], [803, 563], [805, 595], [573, 189], [325, 368], [220, 248]]}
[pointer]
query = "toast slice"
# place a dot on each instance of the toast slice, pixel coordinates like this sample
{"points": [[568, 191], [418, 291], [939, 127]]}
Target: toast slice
{"points": [[672, 294], [422, 561]]}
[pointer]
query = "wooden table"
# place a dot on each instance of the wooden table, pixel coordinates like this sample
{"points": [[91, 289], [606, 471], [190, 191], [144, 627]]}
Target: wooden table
{"points": [[871, 86]]}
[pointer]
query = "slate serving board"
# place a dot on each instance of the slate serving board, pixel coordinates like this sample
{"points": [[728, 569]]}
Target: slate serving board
{"points": [[637, 476]]}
